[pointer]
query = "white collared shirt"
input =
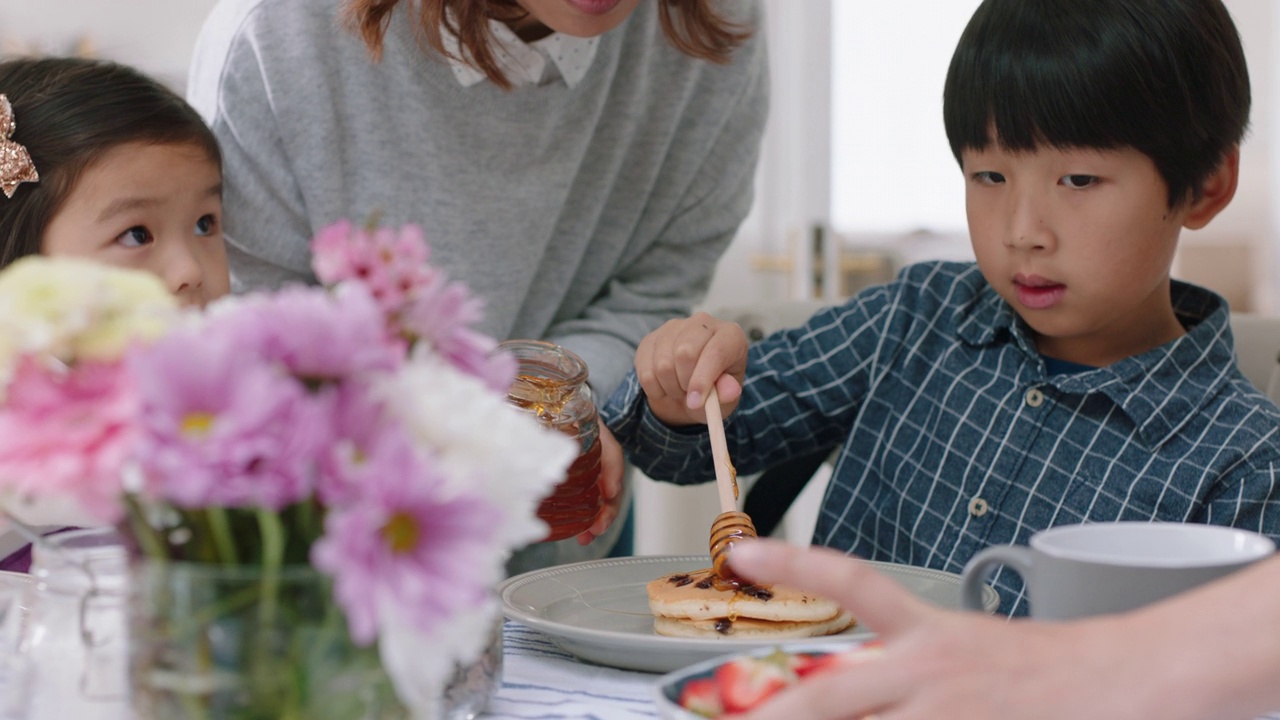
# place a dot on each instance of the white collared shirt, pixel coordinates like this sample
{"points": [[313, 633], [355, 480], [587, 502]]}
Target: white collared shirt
{"points": [[526, 63]]}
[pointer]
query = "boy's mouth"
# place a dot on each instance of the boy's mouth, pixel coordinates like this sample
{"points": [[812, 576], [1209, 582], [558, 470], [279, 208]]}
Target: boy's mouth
{"points": [[1038, 293]]}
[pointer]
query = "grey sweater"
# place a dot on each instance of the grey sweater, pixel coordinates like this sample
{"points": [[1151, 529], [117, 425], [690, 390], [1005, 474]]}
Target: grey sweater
{"points": [[586, 216]]}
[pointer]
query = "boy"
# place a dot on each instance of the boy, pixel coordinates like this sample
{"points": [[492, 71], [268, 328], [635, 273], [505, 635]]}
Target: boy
{"points": [[1062, 378]]}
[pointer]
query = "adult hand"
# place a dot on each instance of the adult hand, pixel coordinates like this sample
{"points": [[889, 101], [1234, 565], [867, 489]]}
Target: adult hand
{"points": [[945, 664], [611, 467], [678, 364]]}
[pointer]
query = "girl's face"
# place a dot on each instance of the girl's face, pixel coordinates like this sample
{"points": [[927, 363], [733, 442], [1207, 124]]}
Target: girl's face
{"points": [[149, 207], [580, 18]]}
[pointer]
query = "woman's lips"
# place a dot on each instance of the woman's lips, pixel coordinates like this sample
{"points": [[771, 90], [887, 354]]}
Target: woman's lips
{"points": [[1038, 293], [594, 7]]}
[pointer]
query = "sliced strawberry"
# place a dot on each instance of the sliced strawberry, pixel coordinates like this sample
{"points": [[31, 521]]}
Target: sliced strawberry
{"points": [[702, 697], [857, 656], [747, 682]]}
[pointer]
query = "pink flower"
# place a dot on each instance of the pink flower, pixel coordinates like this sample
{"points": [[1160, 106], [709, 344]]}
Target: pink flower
{"points": [[391, 263], [68, 432], [222, 426], [403, 547], [418, 301], [317, 335], [367, 444], [438, 321]]}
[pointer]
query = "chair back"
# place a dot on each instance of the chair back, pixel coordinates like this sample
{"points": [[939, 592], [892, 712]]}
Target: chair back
{"points": [[1257, 341]]}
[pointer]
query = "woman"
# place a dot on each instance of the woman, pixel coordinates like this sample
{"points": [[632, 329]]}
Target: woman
{"points": [[581, 164]]}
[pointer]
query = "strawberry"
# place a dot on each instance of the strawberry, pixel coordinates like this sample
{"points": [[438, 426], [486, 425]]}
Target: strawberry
{"points": [[821, 663], [747, 682], [804, 663], [702, 697]]}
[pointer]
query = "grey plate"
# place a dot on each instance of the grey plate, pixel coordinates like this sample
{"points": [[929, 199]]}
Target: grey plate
{"points": [[599, 609]]}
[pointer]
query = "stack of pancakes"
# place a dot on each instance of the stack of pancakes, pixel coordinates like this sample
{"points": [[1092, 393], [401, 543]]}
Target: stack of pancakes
{"points": [[699, 605]]}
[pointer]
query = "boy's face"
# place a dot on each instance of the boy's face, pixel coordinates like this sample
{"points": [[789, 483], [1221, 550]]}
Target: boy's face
{"points": [[149, 207], [1080, 243]]}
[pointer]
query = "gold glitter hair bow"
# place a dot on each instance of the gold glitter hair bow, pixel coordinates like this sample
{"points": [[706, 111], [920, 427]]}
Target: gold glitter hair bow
{"points": [[15, 162]]}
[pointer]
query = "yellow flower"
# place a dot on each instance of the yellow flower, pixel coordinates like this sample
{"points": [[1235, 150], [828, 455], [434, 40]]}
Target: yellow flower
{"points": [[75, 310]]}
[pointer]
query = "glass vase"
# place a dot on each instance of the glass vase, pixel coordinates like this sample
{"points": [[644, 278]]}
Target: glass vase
{"points": [[220, 641]]}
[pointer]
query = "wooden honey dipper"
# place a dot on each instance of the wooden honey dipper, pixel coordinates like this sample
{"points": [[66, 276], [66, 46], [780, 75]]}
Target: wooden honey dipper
{"points": [[730, 525]]}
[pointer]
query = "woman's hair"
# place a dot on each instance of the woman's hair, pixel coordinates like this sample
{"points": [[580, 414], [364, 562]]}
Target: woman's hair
{"points": [[69, 112], [693, 26], [1165, 77]]}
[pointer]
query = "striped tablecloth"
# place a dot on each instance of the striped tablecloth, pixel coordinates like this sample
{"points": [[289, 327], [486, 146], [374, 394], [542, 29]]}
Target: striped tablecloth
{"points": [[539, 680]]}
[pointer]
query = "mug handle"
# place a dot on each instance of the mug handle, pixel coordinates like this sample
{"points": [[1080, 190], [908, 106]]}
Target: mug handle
{"points": [[974, 576]]}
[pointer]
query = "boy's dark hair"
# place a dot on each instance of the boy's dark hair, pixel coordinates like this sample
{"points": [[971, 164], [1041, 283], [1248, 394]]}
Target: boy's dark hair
{"points": [[68, 113], [1165, 77]]}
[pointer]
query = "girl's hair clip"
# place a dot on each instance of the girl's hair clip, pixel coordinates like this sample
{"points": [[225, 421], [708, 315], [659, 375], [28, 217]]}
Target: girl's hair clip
{"points": [[15, 162]]}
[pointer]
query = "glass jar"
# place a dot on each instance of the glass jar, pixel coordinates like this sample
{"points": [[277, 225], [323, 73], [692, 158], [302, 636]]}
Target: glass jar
{"points": [[551, 385], [73, 650]]}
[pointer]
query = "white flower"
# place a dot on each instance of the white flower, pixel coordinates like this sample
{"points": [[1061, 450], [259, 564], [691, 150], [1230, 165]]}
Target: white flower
{"points": [[480, 438], [77, 310]]}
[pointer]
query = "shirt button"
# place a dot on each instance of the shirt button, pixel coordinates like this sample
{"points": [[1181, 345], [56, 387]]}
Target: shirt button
{"points": [[1035, 398], [978, 507]]}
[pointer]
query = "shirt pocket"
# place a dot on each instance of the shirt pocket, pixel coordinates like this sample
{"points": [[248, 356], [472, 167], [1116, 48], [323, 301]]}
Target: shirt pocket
{"points": [[1094, 497]]}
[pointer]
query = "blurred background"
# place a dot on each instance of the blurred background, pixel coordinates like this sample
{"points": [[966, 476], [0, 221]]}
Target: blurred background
{"points": [[856, 177]]}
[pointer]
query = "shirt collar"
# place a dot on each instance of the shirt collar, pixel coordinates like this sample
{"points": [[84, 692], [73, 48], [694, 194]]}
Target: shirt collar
{"points": [[1160, 389], [525, 63]]}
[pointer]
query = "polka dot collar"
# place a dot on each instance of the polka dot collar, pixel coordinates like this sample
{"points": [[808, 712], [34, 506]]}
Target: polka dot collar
{"points": [[526, 63]]}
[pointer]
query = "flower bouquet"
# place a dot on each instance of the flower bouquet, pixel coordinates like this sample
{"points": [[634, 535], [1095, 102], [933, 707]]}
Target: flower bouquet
{"points": [[319, 485]]}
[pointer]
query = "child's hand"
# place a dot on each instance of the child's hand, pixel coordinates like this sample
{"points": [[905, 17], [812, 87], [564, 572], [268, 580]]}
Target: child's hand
{"points": [[678, 363]]}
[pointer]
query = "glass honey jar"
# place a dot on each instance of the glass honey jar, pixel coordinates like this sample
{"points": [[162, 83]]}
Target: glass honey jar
{"points": [[551, 385]]}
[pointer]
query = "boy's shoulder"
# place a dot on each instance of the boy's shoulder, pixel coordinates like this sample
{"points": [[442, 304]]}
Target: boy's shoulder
{"points": [[1248, 417]]}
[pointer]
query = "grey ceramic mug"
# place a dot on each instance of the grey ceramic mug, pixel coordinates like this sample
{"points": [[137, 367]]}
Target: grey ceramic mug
{"points": [[1074, 571]]}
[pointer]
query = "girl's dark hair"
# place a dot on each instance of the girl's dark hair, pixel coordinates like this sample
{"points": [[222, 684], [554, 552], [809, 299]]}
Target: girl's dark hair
{"points": [[69, 112], [1165, 77], [693, 26]]}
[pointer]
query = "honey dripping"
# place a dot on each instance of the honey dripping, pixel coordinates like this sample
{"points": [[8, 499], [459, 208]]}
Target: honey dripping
{"points": [[728, 528]]}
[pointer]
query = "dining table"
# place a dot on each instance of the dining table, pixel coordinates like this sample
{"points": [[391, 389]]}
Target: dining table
{"points": [[539, 680]]}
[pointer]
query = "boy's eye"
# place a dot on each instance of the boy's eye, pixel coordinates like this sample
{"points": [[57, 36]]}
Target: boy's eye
{"points": [[986, 177], [206, 225], [136, 236], [1079, 181]]}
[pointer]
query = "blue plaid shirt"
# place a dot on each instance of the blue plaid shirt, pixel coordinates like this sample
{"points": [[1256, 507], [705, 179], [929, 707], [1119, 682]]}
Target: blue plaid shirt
{"points": [[952, 436]]}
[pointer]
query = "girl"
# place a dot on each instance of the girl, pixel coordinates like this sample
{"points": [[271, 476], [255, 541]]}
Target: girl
{"points": [[120, 170], [99, 161]]}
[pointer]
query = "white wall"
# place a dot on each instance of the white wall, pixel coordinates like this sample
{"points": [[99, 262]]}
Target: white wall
{"points": [[154, 35]]}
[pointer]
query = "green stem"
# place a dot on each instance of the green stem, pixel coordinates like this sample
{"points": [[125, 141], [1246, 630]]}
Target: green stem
{"points": [[273, 541], [220, 527], [148, 539]]}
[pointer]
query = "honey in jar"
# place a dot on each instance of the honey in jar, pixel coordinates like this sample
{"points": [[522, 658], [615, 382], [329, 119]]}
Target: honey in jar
{"points": [[551, 385]]}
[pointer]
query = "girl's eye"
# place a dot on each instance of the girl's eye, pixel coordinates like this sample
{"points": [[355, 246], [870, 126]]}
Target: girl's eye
{"points": [[1079, 181], [206, 225], [136, 236], [986, 177]]}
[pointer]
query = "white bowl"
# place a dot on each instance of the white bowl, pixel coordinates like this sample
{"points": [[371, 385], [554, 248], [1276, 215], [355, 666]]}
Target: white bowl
{"points": [[666, 690]]}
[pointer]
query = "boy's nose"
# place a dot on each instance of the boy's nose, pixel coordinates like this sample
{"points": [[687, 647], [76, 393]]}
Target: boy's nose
{"points": [[1029, 228]]}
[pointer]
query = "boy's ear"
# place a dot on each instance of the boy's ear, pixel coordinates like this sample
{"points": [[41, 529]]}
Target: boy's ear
{"points": [[1216, 192]]}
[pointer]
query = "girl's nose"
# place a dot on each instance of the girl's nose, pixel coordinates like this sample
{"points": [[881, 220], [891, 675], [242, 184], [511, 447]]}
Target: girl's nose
{"points": [[183, 271]]}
